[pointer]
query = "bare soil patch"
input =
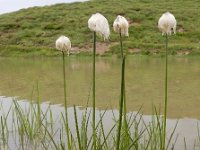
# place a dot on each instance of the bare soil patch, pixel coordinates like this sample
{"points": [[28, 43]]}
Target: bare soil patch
{"points": [[134, 50], [101, 48], [183, 52]]}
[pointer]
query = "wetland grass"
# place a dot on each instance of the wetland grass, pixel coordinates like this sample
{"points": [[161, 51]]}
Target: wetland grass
{"points": [[31, 131]]}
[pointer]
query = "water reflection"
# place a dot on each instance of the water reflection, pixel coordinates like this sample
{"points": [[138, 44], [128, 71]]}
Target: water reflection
{"points": [[144, 82]]}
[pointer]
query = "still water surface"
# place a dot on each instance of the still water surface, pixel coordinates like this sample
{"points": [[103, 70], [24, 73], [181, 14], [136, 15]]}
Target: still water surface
{"points": [[144, 82]]}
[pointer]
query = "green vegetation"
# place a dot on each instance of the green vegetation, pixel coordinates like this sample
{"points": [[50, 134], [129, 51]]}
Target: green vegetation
{"points": [[32, 32], [34, 128]]}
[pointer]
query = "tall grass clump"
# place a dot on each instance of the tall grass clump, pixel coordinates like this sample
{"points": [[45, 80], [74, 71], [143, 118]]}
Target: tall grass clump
{"points": [[34, 127], [167, 24], [4, 129], [120, 26], [98, 24], [64, 44]]}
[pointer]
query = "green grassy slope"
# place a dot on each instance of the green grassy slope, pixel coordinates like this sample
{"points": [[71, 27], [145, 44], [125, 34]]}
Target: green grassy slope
{"points": [[33, 31]]}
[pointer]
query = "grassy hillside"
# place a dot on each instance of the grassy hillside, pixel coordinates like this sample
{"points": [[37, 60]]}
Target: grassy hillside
{"points": [[33, 31]]}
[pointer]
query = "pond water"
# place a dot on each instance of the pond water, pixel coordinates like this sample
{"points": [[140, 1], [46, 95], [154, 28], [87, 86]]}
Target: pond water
{"points": [[144, 82]]}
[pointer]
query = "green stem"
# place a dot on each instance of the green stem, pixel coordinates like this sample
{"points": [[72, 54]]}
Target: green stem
{"points": [[122, 55], [3, 134], [38, 107], [77, 129], [93, 89], [121, 45], [125, 119], [166, 77], [121, 104], [65, 102]]}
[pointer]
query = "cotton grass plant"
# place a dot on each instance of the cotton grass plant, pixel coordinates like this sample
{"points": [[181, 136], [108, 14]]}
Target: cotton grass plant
{"points": [[167, 25], [120, 26], [98, 24], [63, 44]]}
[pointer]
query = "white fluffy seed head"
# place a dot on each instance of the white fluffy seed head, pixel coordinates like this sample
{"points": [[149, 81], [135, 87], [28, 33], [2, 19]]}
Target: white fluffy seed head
{"points": [[99, 24], [167, 23], [121, 25], [63, 43]]}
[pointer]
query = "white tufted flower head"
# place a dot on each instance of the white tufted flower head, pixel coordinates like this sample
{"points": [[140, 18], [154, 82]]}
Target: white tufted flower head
{"points": [[63, 44], [167, 23], [99, 24], [121, 25]]}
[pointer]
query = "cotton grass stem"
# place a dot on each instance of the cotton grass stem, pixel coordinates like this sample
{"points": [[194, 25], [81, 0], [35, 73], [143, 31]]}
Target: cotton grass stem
{"points": [[93, 90], [124, 93], [166, 88], [124, 98], [121, 104], [121, 45], [65, 102]]}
